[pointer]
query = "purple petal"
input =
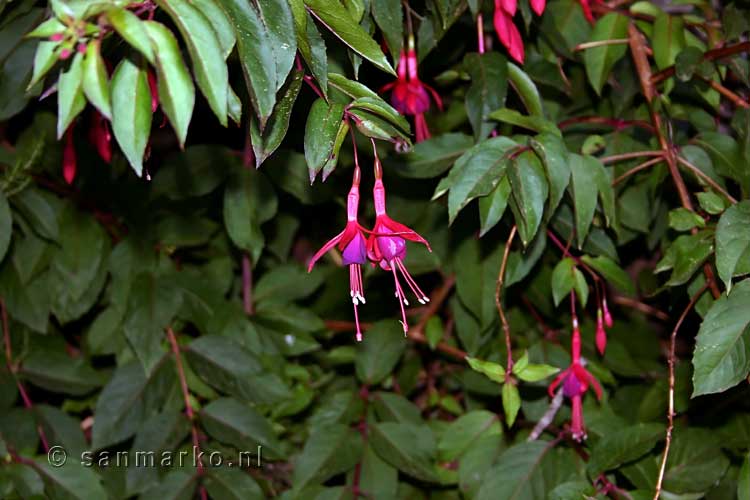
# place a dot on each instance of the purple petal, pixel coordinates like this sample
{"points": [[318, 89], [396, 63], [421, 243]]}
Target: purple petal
{"points": [[392, 247], [355, 252], [572, 386]]}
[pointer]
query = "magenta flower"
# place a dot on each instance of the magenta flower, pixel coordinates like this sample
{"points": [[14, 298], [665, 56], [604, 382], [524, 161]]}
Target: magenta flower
{"points": [[576, 380], [601, 333], [352, 243], [386, 246]]}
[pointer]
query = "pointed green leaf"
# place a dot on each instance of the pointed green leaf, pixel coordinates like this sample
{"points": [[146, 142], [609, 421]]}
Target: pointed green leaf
{"points": [[584, 196], [205, 51], [389, 17], [322, 126], [130, 28], [599, 61], [95, 81], [131, 111], [551, 148], [70, 100], [733, 243], [176, 90], [529, 187], [668, 39], [511, 402], [492, 207], [265, 143]]}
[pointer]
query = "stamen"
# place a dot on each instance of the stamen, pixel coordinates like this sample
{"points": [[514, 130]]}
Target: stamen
{"points": [[400, 295], [423, 299]]}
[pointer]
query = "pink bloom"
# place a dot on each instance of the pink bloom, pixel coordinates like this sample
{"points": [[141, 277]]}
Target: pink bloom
{"points": [[507, 33], [538, 6], [69, 165], [601, 334], [100, 136], [351, 241], [411, 96], [56, 37], [576, 381], [509, 6], [386, 246], [65, 53]]}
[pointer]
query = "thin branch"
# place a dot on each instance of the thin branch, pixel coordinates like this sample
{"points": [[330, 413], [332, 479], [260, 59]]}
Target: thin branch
{"points": [[13, 369], [498, 302], [638, 168], [615, 123], [548, 417], [640, 307], [188, 406], [600, 43], [721, 89], [436, 302], [670, 411], [708, 180], [710, 55], [247, 284], [629, 156]]}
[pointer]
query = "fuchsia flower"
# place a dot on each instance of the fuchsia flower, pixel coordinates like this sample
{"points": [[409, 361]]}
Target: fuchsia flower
{"points": [[386, 246], [411, 96], [576, 380], [69, 162], [100, 136], [506, 30], [351, 241], [586, 6], [601, 333]]}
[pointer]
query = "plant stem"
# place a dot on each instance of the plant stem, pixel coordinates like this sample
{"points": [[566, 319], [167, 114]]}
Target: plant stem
{"points": [[710, 55], [247, 285], [708, 180], [670, 411], [188, 406], [721, 89], [600, 43], [629, 156], [636, 169], [498, 302], [13, 369]]}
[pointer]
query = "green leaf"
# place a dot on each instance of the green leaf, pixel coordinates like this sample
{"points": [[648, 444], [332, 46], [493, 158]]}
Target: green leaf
{"points": [[466, 432], [492, 207], [389, 17], [599, 61], [131, 111], [477, 172], [743, 484], [408, 447], [722, 352], [265, 143], [431, 157], [220, 22], [371, 125], [530, 122], [682, 219], [95, 81], [529, 194], [204, 47], [526, 90], [511, 402], [71, 480], [330, 450], [533, 372], [584, 196], [321, 129], [711, 202], [240, 426], [623, 445], [611, 272], [335, 17], [381, 108], [231, 483], [668, 39], [131, 29], [686, 254], [492, 371], [249, 201], [176, 90], [517, 474], [70, 100], [152, 304], [45, 58], [231, 368], [6, 225], [277, 17], [489, 81], [733, 243], [563, 279], [381, 349], [56, 371], [553, 152]]}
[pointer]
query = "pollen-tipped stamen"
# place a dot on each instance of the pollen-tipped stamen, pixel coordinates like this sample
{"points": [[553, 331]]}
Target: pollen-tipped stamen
{"points": [[400, 297], [421, 297]]}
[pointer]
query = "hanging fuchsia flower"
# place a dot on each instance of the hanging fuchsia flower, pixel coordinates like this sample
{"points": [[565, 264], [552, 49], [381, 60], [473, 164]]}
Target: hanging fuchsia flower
{"points": [[601, 333], [100, 136], [351, 241], [507, 32], [411, 96], [576, 380], [386, 246], [69, 165]]}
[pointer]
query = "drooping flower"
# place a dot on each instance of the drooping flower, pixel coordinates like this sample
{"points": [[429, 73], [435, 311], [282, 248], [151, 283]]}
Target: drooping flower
{"points": [[576, 381], [386, 247], [507, 32], [69, 163], [352, 243], [100, 136], [601, 333], [410, 96]]}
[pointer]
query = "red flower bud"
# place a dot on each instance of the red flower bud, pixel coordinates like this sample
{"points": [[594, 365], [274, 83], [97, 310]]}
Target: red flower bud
{"points": [[69, 157], [607, 317], [538, 6], [57, 37], [81, 48], [601, 334], [154, 91], [65, 53]]}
